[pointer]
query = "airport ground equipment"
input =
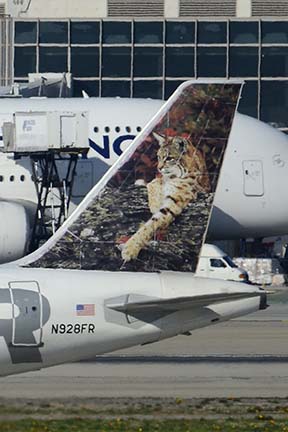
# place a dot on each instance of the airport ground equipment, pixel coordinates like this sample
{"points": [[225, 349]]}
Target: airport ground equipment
{"points": [[49, 138]]}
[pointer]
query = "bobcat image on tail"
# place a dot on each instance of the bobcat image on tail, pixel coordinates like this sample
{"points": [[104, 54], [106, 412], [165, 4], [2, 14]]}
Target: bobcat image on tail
{"points": [[182, 174], [150, 211]]}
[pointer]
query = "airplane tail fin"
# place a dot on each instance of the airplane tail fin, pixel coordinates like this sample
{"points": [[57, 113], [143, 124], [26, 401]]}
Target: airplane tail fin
{"points": [[151, 210]]}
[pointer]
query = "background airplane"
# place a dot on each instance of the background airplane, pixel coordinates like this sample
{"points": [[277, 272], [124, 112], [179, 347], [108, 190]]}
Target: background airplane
{"points": [[251, 199], [105, 280]]}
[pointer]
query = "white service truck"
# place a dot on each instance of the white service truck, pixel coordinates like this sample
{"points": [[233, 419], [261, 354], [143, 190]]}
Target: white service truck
{"points": [[214, 263]]}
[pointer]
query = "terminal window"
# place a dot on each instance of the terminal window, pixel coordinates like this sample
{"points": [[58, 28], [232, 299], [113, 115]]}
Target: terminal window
{"points": [[150, 58]]}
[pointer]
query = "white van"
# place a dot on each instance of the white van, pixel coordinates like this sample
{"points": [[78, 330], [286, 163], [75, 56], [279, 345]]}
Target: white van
{"points": [[214, 263]]}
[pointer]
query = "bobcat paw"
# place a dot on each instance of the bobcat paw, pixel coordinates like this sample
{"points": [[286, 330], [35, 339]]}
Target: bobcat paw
{"points": [[128, 252]]}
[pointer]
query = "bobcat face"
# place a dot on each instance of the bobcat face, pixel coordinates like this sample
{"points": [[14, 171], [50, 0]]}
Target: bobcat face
{"points": [[174, 155]]}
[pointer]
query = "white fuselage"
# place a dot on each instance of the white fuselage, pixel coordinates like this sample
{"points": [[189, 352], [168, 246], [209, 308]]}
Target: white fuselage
{"points": [[251, 198], [40, 327]]}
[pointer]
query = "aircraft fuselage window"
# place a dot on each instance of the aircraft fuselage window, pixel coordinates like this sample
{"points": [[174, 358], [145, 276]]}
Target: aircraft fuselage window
{"points": [[1, 178], [128, 129], [96, 129], [12, 178], [107, 129], [215, 262], [117, 129], [22, 178], [138, 128]]}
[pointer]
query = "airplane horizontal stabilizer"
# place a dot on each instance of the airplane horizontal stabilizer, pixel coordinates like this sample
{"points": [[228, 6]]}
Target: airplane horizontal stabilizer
{"points": [[151, 210], [130, 304]]}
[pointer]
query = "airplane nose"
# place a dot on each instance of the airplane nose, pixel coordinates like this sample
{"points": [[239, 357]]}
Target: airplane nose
{"points": [[263, 300]]}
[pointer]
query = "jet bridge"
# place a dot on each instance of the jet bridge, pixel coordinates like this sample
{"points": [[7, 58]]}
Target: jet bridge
{"points": [[40, 85], [49, 138]]}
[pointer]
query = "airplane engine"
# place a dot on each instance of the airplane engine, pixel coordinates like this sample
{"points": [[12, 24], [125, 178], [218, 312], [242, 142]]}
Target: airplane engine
{"points": [[14, 231]]}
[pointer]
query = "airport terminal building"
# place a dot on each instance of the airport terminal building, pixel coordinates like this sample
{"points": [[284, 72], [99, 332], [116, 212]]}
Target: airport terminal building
{"points": [[145, 48]]}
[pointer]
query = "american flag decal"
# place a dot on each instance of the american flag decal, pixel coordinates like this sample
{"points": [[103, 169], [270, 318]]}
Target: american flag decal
{"points": [[85, 309]]}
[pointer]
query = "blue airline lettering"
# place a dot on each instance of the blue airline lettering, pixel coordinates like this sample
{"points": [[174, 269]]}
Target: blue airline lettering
{"points": [[105, 150], [118, 141]]}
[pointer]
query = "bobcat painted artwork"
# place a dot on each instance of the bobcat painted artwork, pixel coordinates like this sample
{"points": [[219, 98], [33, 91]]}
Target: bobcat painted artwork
{"points": [[182, 174], [156, 190]]}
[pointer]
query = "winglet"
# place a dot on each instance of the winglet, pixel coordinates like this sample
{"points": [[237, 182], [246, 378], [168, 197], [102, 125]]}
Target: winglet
{"points": [[150, 211]]}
